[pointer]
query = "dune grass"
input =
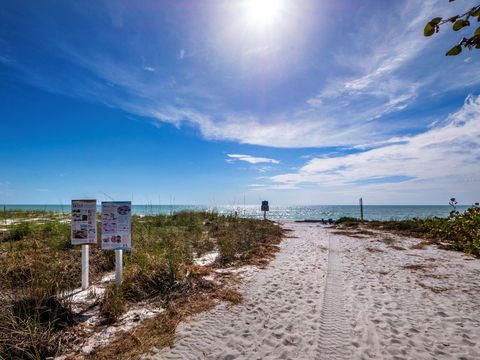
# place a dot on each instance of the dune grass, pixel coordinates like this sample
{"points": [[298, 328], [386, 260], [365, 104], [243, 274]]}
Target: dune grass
{"points": [[38, 265], [459, 231]]}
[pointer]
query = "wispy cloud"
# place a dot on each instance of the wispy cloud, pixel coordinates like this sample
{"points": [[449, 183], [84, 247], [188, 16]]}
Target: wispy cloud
{"points": [[352, 105], [445, 154], [181, 54], [42, 190], [252, 159]]}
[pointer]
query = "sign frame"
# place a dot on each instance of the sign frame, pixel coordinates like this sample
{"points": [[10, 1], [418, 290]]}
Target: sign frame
{"points": [[116, 225], [83, 229]]}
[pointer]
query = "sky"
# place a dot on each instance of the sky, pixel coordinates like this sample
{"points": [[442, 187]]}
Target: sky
{"points": [[216, 101]]}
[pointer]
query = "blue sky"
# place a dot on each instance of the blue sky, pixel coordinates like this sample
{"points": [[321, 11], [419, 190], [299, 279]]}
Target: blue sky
{"points": [[305, 102]]}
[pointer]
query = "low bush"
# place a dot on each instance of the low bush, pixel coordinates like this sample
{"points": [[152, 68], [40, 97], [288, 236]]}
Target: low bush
{"points": [[460, 230], [19, 232]]}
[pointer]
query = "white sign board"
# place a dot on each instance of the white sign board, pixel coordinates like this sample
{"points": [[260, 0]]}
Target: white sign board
{"points": [[84, 222], [116, 225]]}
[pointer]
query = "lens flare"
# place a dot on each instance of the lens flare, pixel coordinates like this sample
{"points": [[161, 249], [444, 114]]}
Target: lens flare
{"points": [[263, 13]]}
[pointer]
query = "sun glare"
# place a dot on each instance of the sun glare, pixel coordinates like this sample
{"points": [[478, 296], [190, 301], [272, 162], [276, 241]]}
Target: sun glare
{"points": [[263, 13]]}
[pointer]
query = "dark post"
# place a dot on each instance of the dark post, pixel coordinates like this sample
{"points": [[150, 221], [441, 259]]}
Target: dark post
{"points": [[361, 209], [265, 208]]}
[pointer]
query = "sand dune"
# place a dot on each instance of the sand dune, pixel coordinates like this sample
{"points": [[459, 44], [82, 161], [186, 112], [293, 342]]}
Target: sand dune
{"points": [[333, 296]]}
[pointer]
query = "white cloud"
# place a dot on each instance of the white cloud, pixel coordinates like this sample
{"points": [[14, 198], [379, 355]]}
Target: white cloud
{"points": [[346, 110], [443, 156], [252, 159]]}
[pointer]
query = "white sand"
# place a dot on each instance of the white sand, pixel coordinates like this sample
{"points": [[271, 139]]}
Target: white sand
{"points": [[85, 303], [207, 259], [330, 296]]}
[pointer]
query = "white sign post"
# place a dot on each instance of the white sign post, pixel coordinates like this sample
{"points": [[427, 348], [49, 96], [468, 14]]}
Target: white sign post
{"points": [[84, 231], [116, 232]]}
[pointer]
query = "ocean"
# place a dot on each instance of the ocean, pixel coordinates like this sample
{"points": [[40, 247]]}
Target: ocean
{"points": [[316, 212]]}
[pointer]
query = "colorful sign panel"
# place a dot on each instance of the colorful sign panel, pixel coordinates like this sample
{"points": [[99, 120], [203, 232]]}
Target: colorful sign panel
{"points": [[116, 225], [84, 222]]}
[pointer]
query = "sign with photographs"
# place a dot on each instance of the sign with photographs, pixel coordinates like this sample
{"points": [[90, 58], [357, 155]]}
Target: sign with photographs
{"points": [[116, 225], [84, 222]]}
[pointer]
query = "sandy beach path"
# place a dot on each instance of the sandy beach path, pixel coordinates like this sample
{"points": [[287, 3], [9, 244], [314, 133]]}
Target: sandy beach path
{"points": [[334, 295], [280, 317]]}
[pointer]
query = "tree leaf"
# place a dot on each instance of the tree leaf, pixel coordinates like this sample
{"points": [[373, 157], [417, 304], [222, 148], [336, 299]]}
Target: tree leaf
{"points": [[457, 49], [436, 21], [429, 30], [477, 32], [459, 24]]}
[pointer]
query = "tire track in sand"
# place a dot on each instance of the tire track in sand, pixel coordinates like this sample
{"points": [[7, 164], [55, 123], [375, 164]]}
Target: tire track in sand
{"points": [[334, 329]]}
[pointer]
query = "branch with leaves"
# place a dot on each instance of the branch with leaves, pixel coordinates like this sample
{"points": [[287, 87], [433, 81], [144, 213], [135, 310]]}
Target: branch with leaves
{"points": [[459, 22]]}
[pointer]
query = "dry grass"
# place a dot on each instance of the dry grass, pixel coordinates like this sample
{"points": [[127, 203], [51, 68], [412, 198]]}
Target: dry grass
{"points": [[374, 250], [158, 332], [420, 245], [396, 247], [387, 240], [38, 263], [434, 289], [417, 267], [230, 295]]}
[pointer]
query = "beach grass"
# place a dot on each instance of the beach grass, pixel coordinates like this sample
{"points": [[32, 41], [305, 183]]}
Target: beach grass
{"points": [[459, 231], [38, 266]]}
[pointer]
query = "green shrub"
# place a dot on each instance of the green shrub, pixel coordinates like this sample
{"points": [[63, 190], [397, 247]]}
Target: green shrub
{"points": [[57, 235], [461, 230], [346, 219], [19, 232]]}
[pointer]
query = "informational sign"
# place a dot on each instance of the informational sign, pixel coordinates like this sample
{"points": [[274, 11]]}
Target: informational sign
{"points": [[84, 222], [265, 206], [116, 225]]}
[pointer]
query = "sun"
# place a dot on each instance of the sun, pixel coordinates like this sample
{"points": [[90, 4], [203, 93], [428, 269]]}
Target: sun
{"points": [[263, 13]]}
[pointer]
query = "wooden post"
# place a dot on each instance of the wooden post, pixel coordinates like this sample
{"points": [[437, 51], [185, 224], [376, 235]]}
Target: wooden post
{"points": [[361, 209]]}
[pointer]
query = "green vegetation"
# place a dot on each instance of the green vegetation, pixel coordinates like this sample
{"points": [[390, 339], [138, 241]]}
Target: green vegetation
{"points": [[38, 266], [458, 22], [459, 231]]}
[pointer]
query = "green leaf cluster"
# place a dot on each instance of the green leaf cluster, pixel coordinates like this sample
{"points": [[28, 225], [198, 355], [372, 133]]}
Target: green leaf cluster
{"points": [[458, 22]]}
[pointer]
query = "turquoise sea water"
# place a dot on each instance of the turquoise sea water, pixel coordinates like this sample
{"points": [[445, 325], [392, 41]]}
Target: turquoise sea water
{"points": [[371, 212]]}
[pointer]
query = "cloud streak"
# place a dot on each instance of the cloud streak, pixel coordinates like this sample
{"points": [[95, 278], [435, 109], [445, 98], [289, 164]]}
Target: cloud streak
{"points": [[353, 105], [252, 159], [443, 156]]}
